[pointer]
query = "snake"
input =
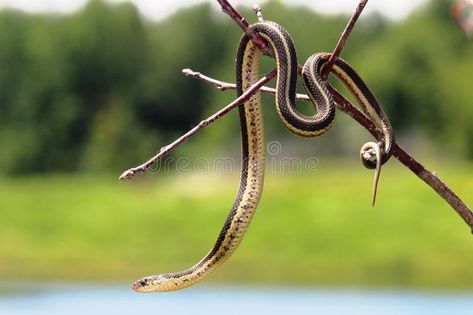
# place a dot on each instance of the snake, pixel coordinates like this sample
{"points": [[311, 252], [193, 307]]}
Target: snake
{"points": [[281, 47]]}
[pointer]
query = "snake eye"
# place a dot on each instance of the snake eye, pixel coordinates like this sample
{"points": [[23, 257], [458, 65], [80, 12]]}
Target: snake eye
{"points": [[143, 282]]}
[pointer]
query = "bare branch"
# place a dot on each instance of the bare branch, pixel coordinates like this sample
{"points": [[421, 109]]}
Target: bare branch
{"points": [[343, 39], [128, 174]]}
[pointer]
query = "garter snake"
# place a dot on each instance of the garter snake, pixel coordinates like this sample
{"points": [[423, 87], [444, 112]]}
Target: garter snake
{"points": [[252, 137]]}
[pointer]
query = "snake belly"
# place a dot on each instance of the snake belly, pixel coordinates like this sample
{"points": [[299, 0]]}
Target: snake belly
{"points": [[251, 183]]}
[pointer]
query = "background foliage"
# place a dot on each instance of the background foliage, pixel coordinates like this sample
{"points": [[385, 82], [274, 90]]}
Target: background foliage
{"points": [[101, 89]]}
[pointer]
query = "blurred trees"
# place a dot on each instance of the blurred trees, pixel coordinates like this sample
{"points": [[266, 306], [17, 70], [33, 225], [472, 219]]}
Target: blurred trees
{"points": [[102, 89]]}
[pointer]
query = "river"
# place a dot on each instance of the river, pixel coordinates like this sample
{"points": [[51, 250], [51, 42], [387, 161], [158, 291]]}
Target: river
{"points": [[75, 299]]}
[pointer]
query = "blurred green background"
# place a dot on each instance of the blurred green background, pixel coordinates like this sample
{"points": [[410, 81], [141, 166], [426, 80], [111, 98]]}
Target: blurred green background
{"points": [[87, 95]]}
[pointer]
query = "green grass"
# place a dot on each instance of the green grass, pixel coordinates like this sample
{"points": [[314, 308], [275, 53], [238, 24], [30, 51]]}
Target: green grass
{"points": [[309, 229]]}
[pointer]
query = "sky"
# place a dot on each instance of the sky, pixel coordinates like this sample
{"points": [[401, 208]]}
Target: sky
{"points": [[155, 9]]}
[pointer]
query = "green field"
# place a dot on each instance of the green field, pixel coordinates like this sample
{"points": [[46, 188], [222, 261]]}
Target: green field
{"points": [[314, 229]]}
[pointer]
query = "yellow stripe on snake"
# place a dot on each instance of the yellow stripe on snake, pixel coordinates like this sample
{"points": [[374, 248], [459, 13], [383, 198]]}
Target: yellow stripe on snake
{"points": [[252, 137]]}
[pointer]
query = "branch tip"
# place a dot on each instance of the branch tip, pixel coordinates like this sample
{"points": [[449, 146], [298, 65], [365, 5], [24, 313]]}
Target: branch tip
{"points": [[127, 175], [189, 72], [259, 13]]}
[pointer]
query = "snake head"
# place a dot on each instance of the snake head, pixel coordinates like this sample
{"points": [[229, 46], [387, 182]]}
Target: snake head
{"points": [[148, 284], [370, 155]]}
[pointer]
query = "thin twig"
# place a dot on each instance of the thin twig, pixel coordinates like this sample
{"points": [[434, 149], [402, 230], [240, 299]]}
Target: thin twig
{"points": [[259, 13], [128, 174], [343, 39], [222, 86]]}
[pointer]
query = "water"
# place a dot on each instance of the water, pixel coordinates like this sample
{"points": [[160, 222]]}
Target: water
{"points": [[35, 299]]}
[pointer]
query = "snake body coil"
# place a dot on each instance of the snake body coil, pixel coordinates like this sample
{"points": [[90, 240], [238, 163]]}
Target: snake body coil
{"points": [[252, 137]]}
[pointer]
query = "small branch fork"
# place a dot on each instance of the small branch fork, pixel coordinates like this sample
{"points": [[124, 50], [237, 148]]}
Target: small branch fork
{"points": [[343, 104], [128, 174]]}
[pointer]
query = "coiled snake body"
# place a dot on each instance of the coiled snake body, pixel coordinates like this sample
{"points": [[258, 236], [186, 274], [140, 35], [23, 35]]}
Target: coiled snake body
{"points": [[252, 137]]}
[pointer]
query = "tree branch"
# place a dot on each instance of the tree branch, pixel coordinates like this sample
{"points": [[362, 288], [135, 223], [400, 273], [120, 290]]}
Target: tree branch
{"points": [[223, 86], [343, 104]]}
